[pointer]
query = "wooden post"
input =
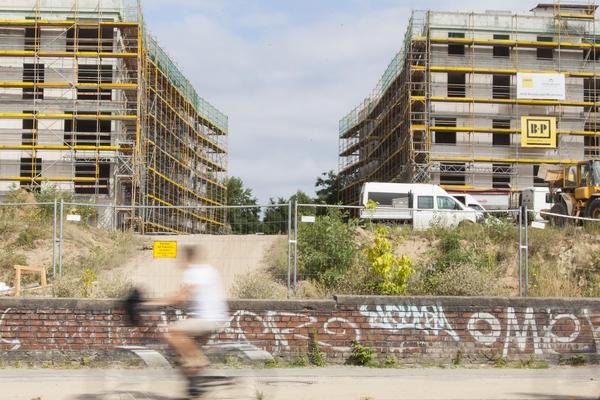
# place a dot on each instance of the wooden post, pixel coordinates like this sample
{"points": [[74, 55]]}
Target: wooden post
{"points": [[21, 269], [17, 280], [43, 276]]}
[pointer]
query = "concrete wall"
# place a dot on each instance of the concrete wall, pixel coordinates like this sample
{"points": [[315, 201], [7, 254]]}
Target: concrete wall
{"points": [[413, 329]]}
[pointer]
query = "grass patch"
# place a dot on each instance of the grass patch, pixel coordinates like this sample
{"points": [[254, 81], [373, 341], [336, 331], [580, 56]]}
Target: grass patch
{"points": [[257, 285]]}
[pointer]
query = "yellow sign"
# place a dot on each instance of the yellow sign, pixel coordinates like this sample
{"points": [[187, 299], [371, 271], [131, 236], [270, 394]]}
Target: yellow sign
{"points": [[164, 250], [538, 132], [527, 82]]}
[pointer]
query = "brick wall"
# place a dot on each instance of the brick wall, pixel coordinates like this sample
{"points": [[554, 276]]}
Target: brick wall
{"points": [[413, 329]]}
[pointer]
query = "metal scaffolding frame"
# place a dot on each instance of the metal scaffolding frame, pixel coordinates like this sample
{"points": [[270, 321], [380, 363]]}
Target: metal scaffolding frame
{"points": [[390, 136], [108, 115]]}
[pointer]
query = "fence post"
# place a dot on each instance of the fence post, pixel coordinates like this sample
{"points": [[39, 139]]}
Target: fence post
{"points": [[526, 246], [60, 243], [520, 216], [289, 254], [54, 239], [295, 245], [114, 224]]}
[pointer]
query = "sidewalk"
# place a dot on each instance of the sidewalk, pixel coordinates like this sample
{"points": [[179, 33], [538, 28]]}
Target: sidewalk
{"points": [[335, 383]]}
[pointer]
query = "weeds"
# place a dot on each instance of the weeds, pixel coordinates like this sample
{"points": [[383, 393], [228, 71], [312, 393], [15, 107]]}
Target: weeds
{"points": [[232, 361], [29, 236], [575, 361], [300, 361], [258, 285], [390, 362], [315, 356], [459, 357], [361, 355]]}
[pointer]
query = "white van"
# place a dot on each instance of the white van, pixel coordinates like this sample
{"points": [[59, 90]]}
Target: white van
{"points": [[535, 199], [417, 203], [468, 200]]}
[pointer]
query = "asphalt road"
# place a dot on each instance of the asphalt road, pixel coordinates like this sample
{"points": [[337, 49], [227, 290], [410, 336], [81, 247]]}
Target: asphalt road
{"points": [[335, 383]]}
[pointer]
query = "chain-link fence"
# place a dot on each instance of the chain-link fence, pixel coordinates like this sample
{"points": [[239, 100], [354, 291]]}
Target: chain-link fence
{"points": [[389, 250], [25, 228], [242, 241], [275, 250]]}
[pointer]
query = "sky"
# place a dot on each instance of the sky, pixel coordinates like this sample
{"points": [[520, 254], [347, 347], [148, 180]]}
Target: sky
{"points": [[286, 71]]}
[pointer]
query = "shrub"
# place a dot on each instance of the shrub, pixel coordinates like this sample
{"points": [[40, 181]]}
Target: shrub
{"points": [[547, 280], [300, 361], [464, 280], [361, 354], [8, 259], [458, 266], [315, 355], [311, 290], [88, 278], [257, 285], [29, 235], [113, 285], [326, 248], [66, 286], [389, 274], [47, 195]]}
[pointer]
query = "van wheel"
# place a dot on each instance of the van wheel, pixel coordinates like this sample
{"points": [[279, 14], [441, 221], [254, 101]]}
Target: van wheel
{"points": [[593, 209]]}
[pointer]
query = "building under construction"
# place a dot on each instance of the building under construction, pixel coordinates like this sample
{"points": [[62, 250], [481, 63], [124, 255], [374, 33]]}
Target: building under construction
{"points": [[90, 103], [462, 102]]}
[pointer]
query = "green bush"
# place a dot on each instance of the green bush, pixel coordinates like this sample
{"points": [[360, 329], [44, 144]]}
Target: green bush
{"points": [[326, 248], [361, 354], [389, 273], [48, 194]]}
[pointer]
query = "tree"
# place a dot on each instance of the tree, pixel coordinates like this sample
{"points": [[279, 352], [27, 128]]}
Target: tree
{"points": [[275, 220], [301, 198], [328, 186], [241, 220]]}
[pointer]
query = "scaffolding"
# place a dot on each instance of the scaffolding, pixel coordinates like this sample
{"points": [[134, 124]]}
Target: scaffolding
{"points": [[448, 97], [90, 103]]}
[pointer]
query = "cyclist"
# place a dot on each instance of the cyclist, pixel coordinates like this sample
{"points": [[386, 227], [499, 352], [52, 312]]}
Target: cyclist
{"points": [[202, 290]]}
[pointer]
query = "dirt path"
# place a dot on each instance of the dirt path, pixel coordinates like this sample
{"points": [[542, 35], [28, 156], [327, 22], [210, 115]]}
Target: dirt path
{"points": [[231, 254]]}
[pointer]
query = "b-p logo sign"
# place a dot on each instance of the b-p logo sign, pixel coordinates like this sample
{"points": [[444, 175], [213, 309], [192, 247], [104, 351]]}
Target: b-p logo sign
{"points": [[538, 132]]}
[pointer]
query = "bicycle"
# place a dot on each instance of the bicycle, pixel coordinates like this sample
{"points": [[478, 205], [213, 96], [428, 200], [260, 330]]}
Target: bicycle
{"points": [[217, 384]]}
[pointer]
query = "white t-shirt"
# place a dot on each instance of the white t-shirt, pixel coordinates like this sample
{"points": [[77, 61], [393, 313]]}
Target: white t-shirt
{"points": [[208, 300]]}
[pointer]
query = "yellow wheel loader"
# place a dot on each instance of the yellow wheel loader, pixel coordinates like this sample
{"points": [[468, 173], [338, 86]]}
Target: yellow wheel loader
{"points": [[574, 190]]}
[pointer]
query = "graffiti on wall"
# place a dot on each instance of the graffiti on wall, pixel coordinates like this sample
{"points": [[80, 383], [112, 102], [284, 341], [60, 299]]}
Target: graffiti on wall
{"points": [[286, 326], [13, 344], [550, 333], [507, 330]]}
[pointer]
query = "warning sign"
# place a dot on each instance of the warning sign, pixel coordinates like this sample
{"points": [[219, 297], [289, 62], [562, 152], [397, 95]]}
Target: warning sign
{"points": [[538, 132], [165, 249]]}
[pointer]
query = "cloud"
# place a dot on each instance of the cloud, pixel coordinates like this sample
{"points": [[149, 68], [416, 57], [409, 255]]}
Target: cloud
{"points": [[284, 76]]}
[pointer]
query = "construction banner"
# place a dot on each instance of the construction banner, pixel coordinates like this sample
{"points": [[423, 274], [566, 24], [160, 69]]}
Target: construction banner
{"points": [[538, 132]]}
